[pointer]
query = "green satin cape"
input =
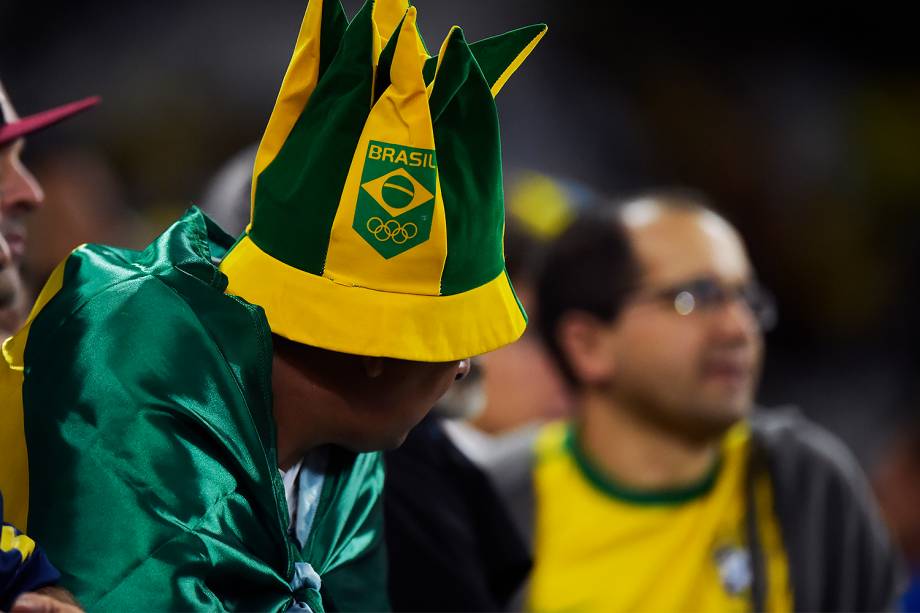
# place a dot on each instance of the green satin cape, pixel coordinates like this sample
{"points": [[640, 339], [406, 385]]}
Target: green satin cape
{"points": [[153, 479]]}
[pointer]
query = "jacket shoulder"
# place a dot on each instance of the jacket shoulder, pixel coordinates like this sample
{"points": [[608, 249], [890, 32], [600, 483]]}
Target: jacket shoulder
{"points": [[839, 550], [793, 440]]}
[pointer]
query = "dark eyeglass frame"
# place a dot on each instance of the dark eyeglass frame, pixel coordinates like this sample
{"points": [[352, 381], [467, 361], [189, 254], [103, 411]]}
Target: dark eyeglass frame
{"points": [[707, 294]]}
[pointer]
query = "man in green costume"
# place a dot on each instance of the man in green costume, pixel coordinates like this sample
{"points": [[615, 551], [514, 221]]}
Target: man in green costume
{"points": [[185, 426]]}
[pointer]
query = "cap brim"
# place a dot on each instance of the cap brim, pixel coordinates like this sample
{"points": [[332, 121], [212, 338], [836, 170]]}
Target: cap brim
{"points": [[39, 121]]}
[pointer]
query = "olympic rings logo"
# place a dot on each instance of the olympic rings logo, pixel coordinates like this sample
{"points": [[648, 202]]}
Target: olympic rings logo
{"points": [[391, 230]]}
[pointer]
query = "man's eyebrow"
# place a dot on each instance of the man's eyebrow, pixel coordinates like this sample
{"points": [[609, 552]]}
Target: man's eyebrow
{"points": [[695, 279]]}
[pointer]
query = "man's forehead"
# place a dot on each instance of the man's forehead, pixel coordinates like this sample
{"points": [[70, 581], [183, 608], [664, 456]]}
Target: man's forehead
{"points": [[678, 244]]}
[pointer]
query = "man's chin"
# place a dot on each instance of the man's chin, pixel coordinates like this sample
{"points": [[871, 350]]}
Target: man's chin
{"points": [[710, 421], [724, 415]]}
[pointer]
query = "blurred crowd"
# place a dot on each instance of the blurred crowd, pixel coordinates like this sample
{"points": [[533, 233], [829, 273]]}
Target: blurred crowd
{"points": [[785, 161]]}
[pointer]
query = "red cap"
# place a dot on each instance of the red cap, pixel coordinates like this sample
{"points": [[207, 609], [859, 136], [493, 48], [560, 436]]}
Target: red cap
{"points": [[39, 121]]}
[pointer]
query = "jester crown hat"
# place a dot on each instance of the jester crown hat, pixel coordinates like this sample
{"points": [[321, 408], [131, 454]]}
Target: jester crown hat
{"points": [[377, 206]]}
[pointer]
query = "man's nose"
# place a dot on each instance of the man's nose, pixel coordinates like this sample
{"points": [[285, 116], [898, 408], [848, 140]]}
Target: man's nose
{"points": [[20, 189], [736, 321]]}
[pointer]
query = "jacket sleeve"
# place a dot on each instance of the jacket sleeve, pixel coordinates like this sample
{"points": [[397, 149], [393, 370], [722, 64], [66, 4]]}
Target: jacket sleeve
{"points": [[477, 560], [841, 556]]}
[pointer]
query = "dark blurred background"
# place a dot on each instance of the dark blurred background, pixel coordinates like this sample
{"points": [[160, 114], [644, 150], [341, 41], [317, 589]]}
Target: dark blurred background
{"points": [[803, 126]]}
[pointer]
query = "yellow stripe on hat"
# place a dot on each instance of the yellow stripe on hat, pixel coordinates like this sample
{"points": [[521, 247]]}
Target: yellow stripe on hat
{"points": [[514, 65], [401, 118], [386, 16]]}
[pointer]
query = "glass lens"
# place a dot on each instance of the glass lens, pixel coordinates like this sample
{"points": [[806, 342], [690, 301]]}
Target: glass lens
{"points": [[709, 294]]}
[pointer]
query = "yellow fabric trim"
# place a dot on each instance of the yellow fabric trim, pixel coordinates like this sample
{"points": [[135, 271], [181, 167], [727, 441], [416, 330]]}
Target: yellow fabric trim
{"points": [[513, 66], [400, 117], [9, 541], [386, 15], [296, 89], [317, 311], [14, 469], [779, 592]]}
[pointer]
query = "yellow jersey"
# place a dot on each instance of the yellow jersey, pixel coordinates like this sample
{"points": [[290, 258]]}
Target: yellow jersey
{"points": [[599, 546]]}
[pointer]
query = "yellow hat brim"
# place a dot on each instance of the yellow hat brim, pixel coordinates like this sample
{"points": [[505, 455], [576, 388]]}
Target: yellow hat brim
{"points": [[320, 312]]}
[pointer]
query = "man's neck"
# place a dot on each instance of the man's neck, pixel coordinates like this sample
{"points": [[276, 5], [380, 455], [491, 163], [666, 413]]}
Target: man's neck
{"points": [[637, 453], [301, 411]]}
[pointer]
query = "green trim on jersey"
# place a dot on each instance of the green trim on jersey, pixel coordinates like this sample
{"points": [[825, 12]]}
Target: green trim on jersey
{"points": [[625, 493]]}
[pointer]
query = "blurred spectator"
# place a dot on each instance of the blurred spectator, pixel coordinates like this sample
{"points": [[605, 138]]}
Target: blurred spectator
{"points": [[685, 499], [83, 203], [20, 196], [23, 566]]}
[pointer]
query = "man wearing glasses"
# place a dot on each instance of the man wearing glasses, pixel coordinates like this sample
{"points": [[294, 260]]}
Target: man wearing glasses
{"points": [[668, 492]]}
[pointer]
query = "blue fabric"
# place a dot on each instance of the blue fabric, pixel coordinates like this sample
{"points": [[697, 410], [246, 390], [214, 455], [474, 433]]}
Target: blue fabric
{"points": [[19, 575], [310, 486], [910, 602]]}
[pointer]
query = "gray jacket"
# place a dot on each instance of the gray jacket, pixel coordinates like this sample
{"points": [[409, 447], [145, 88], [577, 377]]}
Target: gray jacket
{"points": [[839, 552]]}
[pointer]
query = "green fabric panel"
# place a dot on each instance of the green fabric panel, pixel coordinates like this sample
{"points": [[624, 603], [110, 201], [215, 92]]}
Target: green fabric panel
{"points": [[334, 24], [428, 69], [455, 70], [468, 146], [298, 193], [420, 37], [494, 54], [154, 480], [352, 501], [382, 78]]}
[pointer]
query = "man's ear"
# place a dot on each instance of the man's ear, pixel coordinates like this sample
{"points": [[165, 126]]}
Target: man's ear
{"points": [[587, 343], [373, 366]]}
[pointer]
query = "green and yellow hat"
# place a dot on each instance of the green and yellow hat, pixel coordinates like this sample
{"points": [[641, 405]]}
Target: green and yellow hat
{"points": [[377, 206]]}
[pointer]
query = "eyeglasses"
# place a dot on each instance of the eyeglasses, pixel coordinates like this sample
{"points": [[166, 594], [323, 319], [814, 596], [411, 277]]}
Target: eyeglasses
{"points": [[706, 295]]}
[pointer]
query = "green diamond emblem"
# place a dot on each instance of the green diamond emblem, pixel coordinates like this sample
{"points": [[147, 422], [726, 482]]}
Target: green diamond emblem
{"points": [[396, 199]]}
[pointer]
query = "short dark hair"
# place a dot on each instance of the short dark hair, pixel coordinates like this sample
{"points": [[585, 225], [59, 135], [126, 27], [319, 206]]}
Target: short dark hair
{"points": [[592, 268]]}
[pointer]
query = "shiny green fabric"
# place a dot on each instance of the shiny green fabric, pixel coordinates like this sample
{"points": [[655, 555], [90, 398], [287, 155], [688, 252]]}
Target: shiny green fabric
{"points": [[153, 471]]}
